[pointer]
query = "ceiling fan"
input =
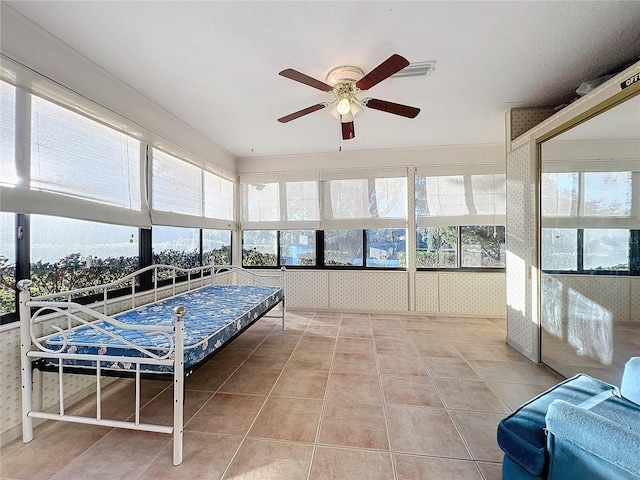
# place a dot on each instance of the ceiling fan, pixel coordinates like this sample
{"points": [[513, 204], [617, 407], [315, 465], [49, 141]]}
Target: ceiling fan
{"points": [[345, 84]]}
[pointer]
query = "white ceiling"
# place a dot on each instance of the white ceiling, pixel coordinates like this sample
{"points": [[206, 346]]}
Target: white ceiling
{"points": [[215, 65]]}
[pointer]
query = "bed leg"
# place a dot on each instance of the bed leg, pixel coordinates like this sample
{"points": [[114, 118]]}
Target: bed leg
{"points": [[27, 400], [178, 385], [25, 362]]}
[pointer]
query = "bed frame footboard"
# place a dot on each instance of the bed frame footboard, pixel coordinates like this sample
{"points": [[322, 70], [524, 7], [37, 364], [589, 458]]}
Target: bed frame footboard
{"points": [[174, 358], [34, 352]]}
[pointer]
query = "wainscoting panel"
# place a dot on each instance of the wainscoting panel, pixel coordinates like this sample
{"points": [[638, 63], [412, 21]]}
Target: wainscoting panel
{"points": [[427, 293], [370, 291], [473, 293]]}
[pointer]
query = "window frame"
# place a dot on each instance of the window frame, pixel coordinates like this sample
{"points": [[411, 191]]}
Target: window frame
{"points": [[320, 258], [145, 258], [634, 258], [459, 266]]}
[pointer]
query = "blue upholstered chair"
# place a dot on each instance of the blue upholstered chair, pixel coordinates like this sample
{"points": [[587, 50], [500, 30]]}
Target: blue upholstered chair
{"points": [[580, 429]]}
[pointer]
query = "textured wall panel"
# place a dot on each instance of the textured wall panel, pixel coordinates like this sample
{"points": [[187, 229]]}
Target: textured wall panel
{"points": [[478, 294], [521, 243], [520, 120], [10, 396], [371, 291], [426, 293], [635, 301], [307, 289]]}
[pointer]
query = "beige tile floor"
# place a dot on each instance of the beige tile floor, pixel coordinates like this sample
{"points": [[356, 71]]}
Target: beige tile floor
{"points": [[334, 396]]}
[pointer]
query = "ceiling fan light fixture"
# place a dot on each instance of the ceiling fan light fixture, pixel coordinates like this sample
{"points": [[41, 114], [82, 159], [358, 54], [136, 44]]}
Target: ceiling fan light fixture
{"points": [[344, 106], [334, 111], [355, 109]]}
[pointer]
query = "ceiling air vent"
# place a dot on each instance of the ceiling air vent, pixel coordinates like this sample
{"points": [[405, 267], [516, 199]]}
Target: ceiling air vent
{"points": [[418, 69]]}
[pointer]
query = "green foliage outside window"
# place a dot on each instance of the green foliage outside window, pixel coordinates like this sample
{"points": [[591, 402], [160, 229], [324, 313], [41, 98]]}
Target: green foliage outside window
{"points": [[7, 286], [255, 258]]}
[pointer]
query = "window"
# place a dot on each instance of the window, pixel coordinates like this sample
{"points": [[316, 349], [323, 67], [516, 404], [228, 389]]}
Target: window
{"points": [[460, 219], [81, 168], [590, 217], [560, 249], [260, 248], [386, 247], [437, 247], [298, 247], [216, 247], [469, 246], [67, 254], [606, 249], [483, 246], [7, 263], [589, 250], [79, 184], [186, 195], [176, 246], [342, 248]]}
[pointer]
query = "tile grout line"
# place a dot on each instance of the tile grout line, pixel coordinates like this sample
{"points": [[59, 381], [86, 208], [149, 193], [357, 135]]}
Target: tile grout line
{"points": [[384, 408], [444, 404], [169, 387], [324, 403], [246, 435]]}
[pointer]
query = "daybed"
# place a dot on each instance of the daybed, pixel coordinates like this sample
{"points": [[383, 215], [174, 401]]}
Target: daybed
{"points": [[580, 429], [183, 318]]}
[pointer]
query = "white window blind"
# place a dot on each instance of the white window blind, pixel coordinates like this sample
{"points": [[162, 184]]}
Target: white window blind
{"points": [[79, 168], [369, 202], [9, 175], [177, 186], [469, 198], [591, 199], [218, 197], [186, 195], [324, 200], [281, 205]]}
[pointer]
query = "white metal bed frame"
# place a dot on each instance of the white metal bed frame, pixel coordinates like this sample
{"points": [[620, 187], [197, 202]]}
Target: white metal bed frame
{"points": [[77, 314]]}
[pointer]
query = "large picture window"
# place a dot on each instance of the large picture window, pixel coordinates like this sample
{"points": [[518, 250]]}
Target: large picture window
{"points": [[386, 247], [437, 247], [79, 183], [176, 246], [482, 246], [67, 254], [343, 248], [260, 248], [590, 218], [216, 247], [298, 247], [460, 219]]}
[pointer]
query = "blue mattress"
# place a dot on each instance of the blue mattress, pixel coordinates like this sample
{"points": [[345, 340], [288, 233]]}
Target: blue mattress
{"points": [[215, 314]]}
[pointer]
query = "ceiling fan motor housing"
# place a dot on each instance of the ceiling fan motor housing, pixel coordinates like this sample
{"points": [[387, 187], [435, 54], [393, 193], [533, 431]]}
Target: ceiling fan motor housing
{"points": [[344, 75]]}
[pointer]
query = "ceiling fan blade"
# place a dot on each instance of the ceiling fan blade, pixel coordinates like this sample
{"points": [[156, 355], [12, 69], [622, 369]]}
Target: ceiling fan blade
{"points": [[348, 131], [391, 65], [302, 113], [390, 107], [306, 79]]}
